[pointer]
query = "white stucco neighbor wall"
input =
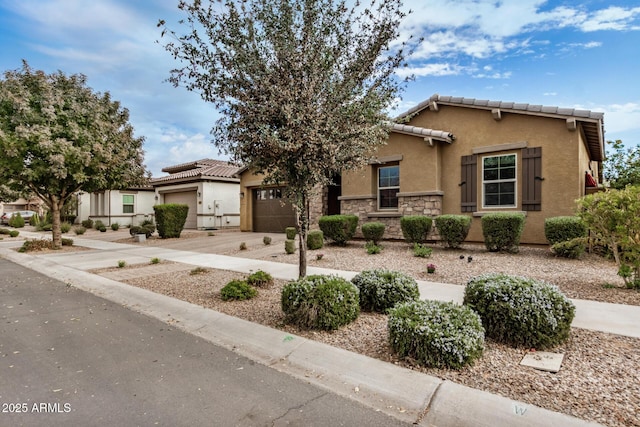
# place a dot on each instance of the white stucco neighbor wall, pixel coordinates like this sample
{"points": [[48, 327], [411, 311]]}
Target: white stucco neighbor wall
{"points": [[108, 207]]}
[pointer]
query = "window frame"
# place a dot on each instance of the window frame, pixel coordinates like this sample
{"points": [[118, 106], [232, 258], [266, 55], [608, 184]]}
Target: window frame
{"points": [[391, 187], [484, 182], [132, 204]]}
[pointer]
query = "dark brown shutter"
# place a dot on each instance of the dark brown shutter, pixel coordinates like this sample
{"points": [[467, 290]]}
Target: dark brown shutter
{"points": [[532, 179], [469, 184]]}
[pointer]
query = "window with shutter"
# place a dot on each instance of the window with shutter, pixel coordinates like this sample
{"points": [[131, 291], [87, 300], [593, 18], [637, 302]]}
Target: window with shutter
{"points": [[532, 179], [499, 181], [469, 184]]}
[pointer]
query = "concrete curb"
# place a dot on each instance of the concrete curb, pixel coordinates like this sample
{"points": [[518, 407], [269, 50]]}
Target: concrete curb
{"points": [[402, 393]]}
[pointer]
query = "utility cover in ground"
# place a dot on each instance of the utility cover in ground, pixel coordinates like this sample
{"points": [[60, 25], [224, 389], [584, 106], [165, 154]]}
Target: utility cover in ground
{"points": [[543, 360]]}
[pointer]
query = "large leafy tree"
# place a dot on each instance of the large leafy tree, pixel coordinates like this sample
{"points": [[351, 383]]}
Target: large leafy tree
{"points": [[302, 86], [58, 137], [622, 166]]}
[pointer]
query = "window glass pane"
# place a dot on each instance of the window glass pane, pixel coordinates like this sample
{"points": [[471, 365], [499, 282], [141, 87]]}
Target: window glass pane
{"points": [[490, 162], [507, 161], [388, 198], [127, 209], [490, 174], [508, 173], [491, 200], [127, 199], [507, 199], [507, 187]]}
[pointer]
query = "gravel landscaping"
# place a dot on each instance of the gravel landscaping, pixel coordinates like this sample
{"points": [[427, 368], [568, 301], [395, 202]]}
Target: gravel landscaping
{"points": [[599, 380]]}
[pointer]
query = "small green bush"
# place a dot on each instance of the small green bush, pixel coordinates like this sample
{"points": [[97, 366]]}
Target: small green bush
{"points": [[436, 333], [339, 228], [421, 251], [373, 231], [573, 248], [87, 223], [98, 225], [290, 232], [290, 246], [14, 233], [520, 311], [170, 218], [115, 226], [415, 228], [382, 289], [315, 239], [320, 302], [502, 231], [155, 261], [67, 242], [238, 290], [102, 229], [5, 231], [16, 220], [65, 227], [266, 240], [35, 245], [198, 270], [34, 220], [372, 248], [79, 230], [453, 229], [122, 263], [563, 228], [260, 279], [46, 227], [243, 246], [146, 229]]}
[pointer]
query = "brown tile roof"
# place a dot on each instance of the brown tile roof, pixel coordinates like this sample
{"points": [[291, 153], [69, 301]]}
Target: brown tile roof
{"points": [[208, 169], [441, 135], [592, 121]]}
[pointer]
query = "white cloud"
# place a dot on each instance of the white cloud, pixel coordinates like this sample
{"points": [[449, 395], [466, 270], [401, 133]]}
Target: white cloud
{"points": [[441, 69], [622, 117], [612, 18]]}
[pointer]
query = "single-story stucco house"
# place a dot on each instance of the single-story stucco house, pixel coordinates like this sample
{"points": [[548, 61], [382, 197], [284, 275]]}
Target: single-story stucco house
{"points": [[455, 155]]}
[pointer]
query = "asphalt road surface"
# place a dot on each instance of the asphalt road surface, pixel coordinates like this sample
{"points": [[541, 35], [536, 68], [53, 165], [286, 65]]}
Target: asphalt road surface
{"points": [[70, 358]]}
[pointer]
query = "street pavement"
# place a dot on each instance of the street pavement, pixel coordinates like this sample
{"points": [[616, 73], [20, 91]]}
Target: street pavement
{"points": [[70, 358]]}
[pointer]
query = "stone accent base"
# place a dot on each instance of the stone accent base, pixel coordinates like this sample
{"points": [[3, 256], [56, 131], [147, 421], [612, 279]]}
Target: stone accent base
{"points": [[365, 208]]}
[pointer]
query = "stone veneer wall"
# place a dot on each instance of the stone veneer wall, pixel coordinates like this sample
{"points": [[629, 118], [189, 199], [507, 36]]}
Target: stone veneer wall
{"points": [[365, 207]]}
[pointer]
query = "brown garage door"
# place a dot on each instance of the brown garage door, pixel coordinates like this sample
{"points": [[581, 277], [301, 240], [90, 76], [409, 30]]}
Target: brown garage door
{"points": [[185, 198], [272, 213]]}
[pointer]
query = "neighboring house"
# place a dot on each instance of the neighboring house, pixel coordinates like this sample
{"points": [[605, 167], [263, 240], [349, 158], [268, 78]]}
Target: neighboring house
{"points": [[125, 207], [456, 155], [466, 156], [33, 204], [209, 187]]}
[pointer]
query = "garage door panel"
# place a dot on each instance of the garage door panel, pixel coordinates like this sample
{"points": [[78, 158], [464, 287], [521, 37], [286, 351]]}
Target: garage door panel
{"points": [[185, 198], [272, 213]]}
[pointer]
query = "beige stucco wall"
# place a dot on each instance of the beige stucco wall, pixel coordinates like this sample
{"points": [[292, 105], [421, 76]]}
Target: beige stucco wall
{"points": [[424, 168]]}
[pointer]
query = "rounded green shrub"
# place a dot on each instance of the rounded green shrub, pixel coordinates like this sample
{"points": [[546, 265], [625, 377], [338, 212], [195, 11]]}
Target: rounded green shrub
{"points": [[290, 246], [14, 233], [65, 227], [339, 228], [415, 228], [237, 290], [67, 242], [147, 230], [315, 239], [563, 228], [373, 231], [372, 248], [87, 223], [102, 229], [266, 240], [16, 221], [573, 248], [436, 333], [502, 231], [290, 232], [320, 302], [79, 230], [115, 226], [453, 229], [98, 224], [260, 278], [422, 251], [171, 218], [382, 289], [520, 311]]}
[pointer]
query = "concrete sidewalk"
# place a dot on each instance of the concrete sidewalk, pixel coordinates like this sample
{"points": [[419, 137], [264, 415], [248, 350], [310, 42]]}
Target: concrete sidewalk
{"points": [[405, 394]]}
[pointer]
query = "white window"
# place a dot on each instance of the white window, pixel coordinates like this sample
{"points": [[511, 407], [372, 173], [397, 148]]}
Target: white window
{"points": [[127, 203], [499, 181], [388, 187]]}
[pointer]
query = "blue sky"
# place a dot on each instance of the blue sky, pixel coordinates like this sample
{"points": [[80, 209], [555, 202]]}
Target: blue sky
{"points": [[578, 54]]}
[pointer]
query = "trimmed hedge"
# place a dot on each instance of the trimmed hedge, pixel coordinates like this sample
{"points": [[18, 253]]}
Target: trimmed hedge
{"points": [[415, 228], [290, 246], [315, 239], [381, 289], [573, 248], [290, 232], [502, 231], [146, 229], [520, 311], [453, 229], [339, 228], [563, 228], [436, 333], [170, 218], [320, 302], [373, 231]]}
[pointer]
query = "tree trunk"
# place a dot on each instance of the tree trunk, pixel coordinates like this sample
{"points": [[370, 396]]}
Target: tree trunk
{"points": [[55, 223], [302, 219]]}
